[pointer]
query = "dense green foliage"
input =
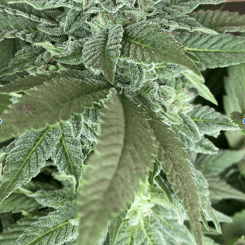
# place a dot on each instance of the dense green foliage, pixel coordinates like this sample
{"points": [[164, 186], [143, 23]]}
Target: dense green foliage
{"points": [[101, 139]]}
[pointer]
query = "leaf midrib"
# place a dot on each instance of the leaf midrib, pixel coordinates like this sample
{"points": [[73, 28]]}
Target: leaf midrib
{"points": [[28, 156]]}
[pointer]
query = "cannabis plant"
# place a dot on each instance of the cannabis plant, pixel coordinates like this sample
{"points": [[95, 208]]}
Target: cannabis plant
{"points": [[99, 129]]}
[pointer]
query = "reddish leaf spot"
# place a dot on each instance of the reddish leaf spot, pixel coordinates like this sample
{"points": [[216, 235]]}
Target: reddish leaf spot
{"points": [[27, 109]]}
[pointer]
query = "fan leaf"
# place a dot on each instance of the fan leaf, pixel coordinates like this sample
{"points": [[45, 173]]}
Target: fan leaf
{"points": [[121, 159], [50, 104]]}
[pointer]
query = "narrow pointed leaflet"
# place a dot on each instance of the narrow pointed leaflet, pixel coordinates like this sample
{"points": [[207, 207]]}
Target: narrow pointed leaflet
{"points": [[122, 157]]}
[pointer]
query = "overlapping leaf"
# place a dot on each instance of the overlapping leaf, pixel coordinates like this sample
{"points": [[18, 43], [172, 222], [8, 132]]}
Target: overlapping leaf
{"points": [[23, 84], [202, 89], [90, 125], [175, 164], [18, 202], [162, 227], [188, 128], [238, 119], [55, 199], [122, 157], [21, 17], [5, 102], [209, 121], [220, 21], [181, 22], [115, 225], [101, 51], [235, 229], [146, 42], [222, 160], [213, 51], [47, 4], [236, 74], [219, 189], [231, 104], [11, 234], [68, 53], [50, 103], [25, 59], [54, 228], [27, 158], [202, 186], [179, 8], [204, 145], [6, 51], [67, 155]]}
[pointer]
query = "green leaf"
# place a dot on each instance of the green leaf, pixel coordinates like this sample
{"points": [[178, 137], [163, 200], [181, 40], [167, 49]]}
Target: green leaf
{"points": [[188, 128], [213, 51], [220, 21], [125, 234], [55, 199], [6, 220], [156, 171], [101, 51], [161, 231], [5, 102], [115, 226], [222, 160], [236, 75], [12, 233], [180, 22], [18, 202], [67, 180], [199, 84], [50, 103], [203, 191], [50, 47], [27, 158], [34, 186], [234, 138], [48, 5], [74, 242], [165, 190], [145, 42], [209, 121], [161, 227], [23, 84], [221, 217], [6, 52], [68, 156], [234, 229], [219, 189], [230, 98], [175, 164], [203, 146], [55, 228], [28, 36], [27, 58], [90, 125], [208, 241], [122, 157], [238, 119], [173, 8]]}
